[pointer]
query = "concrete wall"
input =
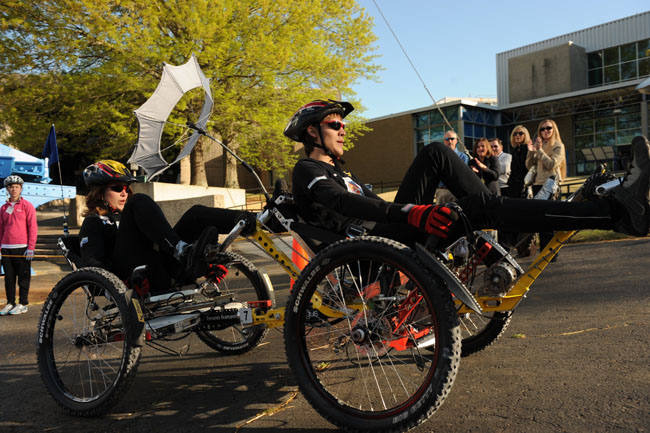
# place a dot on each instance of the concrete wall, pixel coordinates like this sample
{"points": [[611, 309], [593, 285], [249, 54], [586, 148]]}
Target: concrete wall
{"points": [[384, 154], [159, 191], [547, 72]]}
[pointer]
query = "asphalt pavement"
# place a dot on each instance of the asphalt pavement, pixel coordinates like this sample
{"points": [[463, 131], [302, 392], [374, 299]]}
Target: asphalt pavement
{"points": [[575, 358]]}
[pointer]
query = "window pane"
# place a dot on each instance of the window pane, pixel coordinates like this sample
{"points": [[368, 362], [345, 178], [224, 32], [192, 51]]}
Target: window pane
{"points": [[451, 113], [595, 60], [644, 67], [468, 114], [628, 52], [625, 137], [644, 48], [606, 124], [479, 131], [421, 119], [596, 77], [437, 133], [585, 116], [490, 132], [629, 121], [611, 74], [610, 56], [479, 116], [422, 135], [628, 71], [468, 129], [436, 117], [584, 127], [634, 108], [607, 139], [584, 141]]}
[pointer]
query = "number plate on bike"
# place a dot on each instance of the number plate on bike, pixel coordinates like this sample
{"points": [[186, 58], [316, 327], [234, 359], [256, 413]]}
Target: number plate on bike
{"points": [[246, 316]]}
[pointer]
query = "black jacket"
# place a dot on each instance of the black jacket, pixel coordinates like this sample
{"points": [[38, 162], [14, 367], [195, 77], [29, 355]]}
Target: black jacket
{"points": [[97, 240], [490, 175], [332, 199]]}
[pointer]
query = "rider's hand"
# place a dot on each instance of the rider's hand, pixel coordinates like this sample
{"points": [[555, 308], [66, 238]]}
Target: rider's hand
{"points": [[217, 272], [433, 219], [29, 255]]}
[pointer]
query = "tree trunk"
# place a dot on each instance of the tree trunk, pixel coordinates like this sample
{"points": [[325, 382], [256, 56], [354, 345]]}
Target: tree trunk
{"points": [[198, 165], [186, 171], [230, 169]]}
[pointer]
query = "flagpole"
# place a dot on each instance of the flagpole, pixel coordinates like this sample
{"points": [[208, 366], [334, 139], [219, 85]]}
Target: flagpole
{"points": [[50, 150], [65, 217]]}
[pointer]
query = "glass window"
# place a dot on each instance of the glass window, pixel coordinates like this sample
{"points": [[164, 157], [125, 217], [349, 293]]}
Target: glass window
{"points": [[611, 74], [596, 77], [468, 129], [468, 114], [605, 124], [451, 113], [628, 71], [625, 137], [478, 117], [628, 121], [584, 127], [436, 117], [437, 133], [595, 60], [422, 135], [643, 48], [479, 131], [490, 132], [644, 67], [628, 52], [584, 141], [421, 119], [610, 56], [606, 139], [634, 108]]}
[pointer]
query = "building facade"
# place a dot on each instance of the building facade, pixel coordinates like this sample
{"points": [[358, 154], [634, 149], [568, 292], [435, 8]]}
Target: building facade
{"points": [[586, 81]]}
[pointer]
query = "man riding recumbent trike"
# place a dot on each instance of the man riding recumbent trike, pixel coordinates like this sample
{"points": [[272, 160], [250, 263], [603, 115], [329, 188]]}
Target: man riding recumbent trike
{"points": [[372, 326]]}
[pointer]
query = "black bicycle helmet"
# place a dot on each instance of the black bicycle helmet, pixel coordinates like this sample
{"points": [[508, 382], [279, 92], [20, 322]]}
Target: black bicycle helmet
{"points": [[105, 172], [313, 113]]}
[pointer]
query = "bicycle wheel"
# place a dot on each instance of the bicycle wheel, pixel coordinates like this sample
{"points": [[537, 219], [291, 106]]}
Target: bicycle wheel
{"points": [[85, 350], [479, 332], [382, 352], [242, 283]]}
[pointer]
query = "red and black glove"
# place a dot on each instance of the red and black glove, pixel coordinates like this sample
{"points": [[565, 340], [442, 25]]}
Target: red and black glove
{"points": [[217, 272], [433, 219]]}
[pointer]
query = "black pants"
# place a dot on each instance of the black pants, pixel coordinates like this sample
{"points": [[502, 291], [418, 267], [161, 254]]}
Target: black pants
{"points": [[16, 267], [436, 163], [145, 237]]}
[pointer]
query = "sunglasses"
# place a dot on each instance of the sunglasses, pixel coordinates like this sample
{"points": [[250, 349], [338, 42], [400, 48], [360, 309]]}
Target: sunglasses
{"points": [[518, 133], [119, 188], [546, 128], [451, 138], [334, 124]]}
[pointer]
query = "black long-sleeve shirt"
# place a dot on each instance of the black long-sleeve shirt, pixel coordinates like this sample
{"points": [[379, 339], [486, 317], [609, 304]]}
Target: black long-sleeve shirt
{"points": [[333, 199], [97, 241]]}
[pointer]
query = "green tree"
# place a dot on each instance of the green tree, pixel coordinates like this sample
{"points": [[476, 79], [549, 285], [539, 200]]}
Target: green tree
{"points": [[85, 65]]}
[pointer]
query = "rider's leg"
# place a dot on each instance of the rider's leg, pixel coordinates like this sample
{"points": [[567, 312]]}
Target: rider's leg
{"points": [[625, 210], [433, 164], [190, 225]]}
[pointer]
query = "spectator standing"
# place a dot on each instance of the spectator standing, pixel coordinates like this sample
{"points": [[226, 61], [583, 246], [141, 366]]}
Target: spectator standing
{"points": [[519, 141], [443, 195], [18, 232], [547, 154], [485, 165], [504, 159]]}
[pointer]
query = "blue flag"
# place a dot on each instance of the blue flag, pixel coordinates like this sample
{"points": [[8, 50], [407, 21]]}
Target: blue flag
{"points": [[50, 150]]}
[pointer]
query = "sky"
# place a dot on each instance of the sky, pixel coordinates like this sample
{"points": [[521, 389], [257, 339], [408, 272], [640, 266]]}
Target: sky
{"points": [[453, 44]]}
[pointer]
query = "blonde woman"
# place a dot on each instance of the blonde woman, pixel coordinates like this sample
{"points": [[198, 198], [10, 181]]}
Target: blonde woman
{"points": [[547, 154], [519, 139]]}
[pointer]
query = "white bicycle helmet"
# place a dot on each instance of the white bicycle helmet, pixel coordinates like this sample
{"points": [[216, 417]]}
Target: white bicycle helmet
{"points": [[13, 179]]}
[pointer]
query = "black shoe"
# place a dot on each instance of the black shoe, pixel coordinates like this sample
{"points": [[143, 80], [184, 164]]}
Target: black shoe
{"points": [[194, 258], [632, 194]]}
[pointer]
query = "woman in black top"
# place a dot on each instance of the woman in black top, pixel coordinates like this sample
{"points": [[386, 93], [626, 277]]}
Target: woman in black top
{"points": [[122, 230], [485, 165], [519, 139]]}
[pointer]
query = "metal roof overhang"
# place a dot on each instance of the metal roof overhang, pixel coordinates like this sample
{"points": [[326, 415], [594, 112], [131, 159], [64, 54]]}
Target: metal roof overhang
{"points": [[611, 96]]}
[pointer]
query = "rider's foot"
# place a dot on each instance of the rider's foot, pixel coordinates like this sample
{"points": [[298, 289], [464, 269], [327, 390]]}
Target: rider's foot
{"points": [[193, 258], [632, 194]]}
